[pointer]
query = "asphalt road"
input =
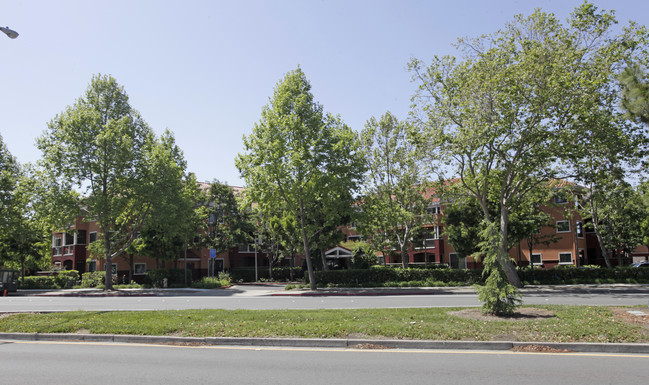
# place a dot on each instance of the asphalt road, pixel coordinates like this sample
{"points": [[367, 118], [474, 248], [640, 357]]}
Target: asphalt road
{"points": [[28, 363], [262, 297]]}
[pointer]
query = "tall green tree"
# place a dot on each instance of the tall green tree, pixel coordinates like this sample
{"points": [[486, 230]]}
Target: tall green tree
{"points": [[394, 203], [228, 222], [620, 220], [9, 175], [174, 218], [302, 158], [463, 225], [504, 115], [99, 147], [27, 240]]}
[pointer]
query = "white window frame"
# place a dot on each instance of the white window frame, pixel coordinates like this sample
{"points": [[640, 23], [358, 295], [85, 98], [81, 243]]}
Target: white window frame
{"points": [[65, 239], [540, 263], [563, 231], [566, 263], [434, 208], [90, 236], [139, 272]]}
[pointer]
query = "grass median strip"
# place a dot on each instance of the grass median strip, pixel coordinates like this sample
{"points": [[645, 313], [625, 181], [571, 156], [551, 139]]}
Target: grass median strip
{"points": [[566, 324]]}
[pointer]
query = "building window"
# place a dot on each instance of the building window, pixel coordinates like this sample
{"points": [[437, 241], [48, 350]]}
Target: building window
{"points": [[565, 258], [68, 239], [140, 268], [434, 209], [113, 268], [429, 243], [92, 237], [81, 237], [563, 227], [56, 245], [537, 260], [92, 266], [68, 250]]}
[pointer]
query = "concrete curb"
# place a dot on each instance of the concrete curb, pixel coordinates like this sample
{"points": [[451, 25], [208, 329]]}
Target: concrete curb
{"points": [[327, 343]]}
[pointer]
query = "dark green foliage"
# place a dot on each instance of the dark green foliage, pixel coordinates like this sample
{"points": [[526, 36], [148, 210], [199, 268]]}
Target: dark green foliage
{"points": [[175, 277], [38, 283], [573, 275], [93, 279], [212, 283], [389, 276], [280, 274], [65, 279]]}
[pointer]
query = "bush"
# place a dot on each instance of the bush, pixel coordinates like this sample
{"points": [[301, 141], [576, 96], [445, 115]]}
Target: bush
{"points": [[213, 283], [63, 279], [390, 276], [280, 274], [44, 282], [175, 277], [93, 279], [583, 275], [66, 279]]}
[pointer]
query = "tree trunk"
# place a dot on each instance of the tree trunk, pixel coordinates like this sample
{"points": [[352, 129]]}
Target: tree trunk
{"points": [[309, 264], [325, 266], [405, 258], [109, 274], [600, 240], [503, 250]]}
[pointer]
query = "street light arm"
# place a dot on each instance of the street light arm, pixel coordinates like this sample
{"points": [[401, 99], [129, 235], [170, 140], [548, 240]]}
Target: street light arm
{"points": [[9, 32]]}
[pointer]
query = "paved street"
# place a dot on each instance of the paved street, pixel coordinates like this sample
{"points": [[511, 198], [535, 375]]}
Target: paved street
{"points": [[271, 297], [146, 364]]}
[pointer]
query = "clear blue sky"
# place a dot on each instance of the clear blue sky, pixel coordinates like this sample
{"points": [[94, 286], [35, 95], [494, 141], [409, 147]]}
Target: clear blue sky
{"points": [[205, 69]]}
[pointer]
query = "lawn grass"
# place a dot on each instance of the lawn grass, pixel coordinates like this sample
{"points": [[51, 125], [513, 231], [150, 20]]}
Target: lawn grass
{"points": [[570, 324]]}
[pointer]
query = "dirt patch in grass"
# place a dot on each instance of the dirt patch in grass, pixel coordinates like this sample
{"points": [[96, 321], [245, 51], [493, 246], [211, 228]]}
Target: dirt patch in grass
{"points": [[622, 314], [521, 314]]}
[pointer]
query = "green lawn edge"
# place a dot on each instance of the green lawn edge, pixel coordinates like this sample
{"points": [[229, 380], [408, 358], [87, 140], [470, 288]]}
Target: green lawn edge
{"points": [[569, 324]]}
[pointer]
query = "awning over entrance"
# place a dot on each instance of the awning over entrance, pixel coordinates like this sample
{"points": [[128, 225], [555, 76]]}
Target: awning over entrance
{"points": [[338, 252]]}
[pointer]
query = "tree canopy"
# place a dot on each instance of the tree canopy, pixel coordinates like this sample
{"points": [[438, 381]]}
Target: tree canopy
{"points": [[98, 147], [303, 159], [507, 114]]}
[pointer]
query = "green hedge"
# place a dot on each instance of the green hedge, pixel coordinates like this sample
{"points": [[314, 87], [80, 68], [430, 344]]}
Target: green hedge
{"points": [[65, 279], [175, 277], [93, 279], [280, 274], [397, 276], [587, 275], [379, 276], [40, 282]]}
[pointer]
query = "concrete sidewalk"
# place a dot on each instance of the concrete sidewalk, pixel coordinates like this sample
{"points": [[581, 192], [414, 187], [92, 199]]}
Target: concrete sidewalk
{"points": [[278, 290]]}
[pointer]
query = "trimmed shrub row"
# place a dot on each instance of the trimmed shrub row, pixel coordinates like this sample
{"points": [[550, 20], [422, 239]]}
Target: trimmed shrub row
{"points": [[379, 276], [280, 274], [396, 276], [65, 279], [586, 275]]}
